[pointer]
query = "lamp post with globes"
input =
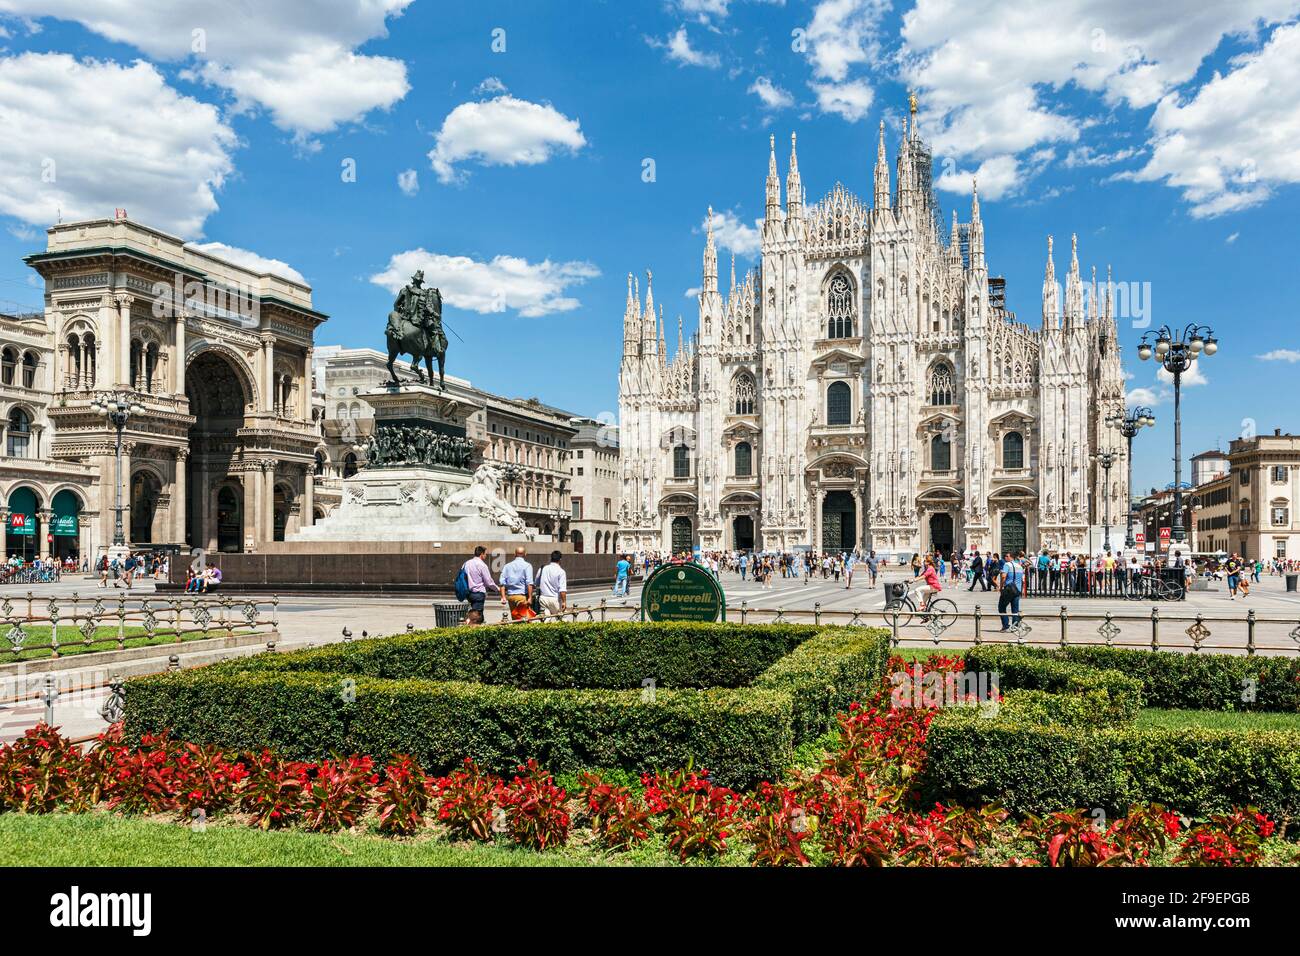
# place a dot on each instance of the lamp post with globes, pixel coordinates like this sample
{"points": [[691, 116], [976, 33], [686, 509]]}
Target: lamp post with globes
{"points": [[117, 408], [1176, 351], [1129, 424], [1106, 459]]}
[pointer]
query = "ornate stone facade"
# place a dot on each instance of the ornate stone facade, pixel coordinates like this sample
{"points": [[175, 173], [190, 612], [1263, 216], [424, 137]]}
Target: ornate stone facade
{"points": [[865, 387], [218, 358]]}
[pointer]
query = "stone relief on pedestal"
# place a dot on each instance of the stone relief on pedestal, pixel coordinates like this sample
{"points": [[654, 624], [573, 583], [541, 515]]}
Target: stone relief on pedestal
{"points": [[483, 496]]}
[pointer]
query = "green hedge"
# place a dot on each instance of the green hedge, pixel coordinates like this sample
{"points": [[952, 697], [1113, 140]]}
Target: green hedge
{"points": [[562, 655], [1090, 708], [1024, 669], [827, 673], [398, 695], [1035, 768], [1200, 681]]}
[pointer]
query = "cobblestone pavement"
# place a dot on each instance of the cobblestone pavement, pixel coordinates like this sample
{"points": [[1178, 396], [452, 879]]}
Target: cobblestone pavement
{"points": [[320, 619]]}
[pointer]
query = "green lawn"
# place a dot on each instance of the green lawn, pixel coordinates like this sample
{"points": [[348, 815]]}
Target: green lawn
{"points": [[105, 839], [1218, 719], [72, 641]]}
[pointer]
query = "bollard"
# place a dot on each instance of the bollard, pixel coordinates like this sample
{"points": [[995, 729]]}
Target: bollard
{"points": [[602, 610], [270, 647], [1155, 629], [409, 627], [1065, 626], [347, 633], [744, 611], [174, 662], [50, 695], [1250, 632], [979, 633], [817, 613], [894, 615]]}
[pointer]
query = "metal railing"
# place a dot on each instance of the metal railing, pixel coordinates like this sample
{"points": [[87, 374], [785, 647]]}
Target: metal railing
{"points": [[86, 623]]}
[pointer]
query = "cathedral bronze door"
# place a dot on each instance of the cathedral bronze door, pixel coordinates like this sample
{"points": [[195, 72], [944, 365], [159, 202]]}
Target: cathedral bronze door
{"points": [[742, 532], [941, 532], [1013, 532], [839, 522], [681, 535]]}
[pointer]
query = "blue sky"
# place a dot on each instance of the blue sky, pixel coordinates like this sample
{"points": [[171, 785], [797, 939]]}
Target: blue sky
{"points": [[1167, 137]]}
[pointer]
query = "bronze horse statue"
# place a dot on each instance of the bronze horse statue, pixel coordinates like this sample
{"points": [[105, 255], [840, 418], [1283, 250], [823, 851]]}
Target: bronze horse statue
{"points": [[415, 329]]}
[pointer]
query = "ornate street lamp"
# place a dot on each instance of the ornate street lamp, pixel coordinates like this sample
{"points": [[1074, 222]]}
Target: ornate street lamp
{"points": [[1176, 351], [1129, 424], [1106, 459], [117, 408]]}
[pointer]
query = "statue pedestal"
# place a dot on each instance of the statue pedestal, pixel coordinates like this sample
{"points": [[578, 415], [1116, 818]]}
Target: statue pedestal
{"points": [[414, 470]]}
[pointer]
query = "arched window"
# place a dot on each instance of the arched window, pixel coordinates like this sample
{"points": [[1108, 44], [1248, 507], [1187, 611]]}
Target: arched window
{"points": [[88, 360], [839, 404], [341, 412], [20, 434], [8, 363], [941, 388], [744, 460], [742, 394], [72, 374], [940, 452], [349, 465], [840, 313], [1013, 450], [150, 366], [681, 462], [30, 361]]}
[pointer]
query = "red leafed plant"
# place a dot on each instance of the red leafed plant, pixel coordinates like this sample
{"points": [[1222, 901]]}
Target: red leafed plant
{"points": [[274, 788], [141, 779], [338, 793], [205, 779], [402, 798], [467, 800], [40, 771], [698, 815], [618, 817], [776, 825], [1071, 839], [1145, 828], [1227, 840], [535, 813]]}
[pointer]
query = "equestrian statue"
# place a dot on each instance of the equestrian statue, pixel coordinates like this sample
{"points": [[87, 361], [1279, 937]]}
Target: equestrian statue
{"points": [[415, 329]]}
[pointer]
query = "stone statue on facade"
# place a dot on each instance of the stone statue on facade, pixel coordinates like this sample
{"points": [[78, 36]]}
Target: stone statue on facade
{"points": [[415, 329]]}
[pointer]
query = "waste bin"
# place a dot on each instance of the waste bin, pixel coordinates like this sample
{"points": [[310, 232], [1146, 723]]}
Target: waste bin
{"points": [[450, 613], [1291, 581], [894, 591]]}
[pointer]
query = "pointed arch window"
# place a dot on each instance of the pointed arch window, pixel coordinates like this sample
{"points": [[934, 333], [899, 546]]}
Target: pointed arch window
{"points": [[743, 394], [941, 385], [940, 452], [841, 316], [681, 462]]}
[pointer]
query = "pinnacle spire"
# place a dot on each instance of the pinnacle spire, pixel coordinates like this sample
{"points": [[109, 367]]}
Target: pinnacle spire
{"points": [[773, 181], [882, 172], [733, 273], [710, 257], [793, 184], [1051, 299]]}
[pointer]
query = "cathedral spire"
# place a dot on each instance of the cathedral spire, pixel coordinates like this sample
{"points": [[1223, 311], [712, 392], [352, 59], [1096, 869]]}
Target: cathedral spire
{"points": [[680, 342], [649, 302], [976, 228], [710, 258], [1110, 297], [882, 172], [732, 290], [1074, 287], [1051, 300], [793, 185], [773, 182], [1092, 305]]}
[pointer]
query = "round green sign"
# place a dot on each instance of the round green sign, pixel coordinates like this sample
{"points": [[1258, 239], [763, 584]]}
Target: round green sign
{"points": [[682, 592]]}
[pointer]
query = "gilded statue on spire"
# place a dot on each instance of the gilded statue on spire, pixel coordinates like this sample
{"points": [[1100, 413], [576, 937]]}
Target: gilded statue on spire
{"points": [[911, 101]]}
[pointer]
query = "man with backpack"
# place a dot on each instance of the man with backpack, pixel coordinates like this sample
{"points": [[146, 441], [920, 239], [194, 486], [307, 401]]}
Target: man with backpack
{"points": [[473, 584]]}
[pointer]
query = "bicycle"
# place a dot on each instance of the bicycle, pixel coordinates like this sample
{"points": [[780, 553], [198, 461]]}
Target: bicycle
{"points": [[941, 610]]}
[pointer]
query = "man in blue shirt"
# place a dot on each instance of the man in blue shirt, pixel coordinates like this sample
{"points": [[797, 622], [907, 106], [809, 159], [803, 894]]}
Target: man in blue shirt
{"points": [[1013, 585], [744, 564], [621, 572], [517, 586]]}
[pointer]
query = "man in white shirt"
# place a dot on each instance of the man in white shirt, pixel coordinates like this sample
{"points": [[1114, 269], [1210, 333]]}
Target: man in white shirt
{"points": [[552, 586]]}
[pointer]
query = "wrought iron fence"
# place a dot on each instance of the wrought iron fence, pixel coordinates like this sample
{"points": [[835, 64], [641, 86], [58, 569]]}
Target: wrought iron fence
{"points": [[52, 627], [1117, 584]]}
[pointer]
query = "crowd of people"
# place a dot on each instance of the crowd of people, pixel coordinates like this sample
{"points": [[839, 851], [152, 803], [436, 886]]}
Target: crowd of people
{"points": [[527, 593], [124, 570]]}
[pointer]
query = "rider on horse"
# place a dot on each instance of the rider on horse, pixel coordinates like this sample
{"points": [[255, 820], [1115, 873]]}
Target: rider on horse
{"points": [[417, 310]]}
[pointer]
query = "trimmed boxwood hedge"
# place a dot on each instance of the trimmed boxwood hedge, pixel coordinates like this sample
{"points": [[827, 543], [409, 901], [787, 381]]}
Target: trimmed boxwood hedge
{"points": [[1021, 669], [1037, 768], [410, 694]]}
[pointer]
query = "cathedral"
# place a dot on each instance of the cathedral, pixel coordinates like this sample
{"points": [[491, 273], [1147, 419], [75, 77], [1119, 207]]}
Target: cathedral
{"points": [[866, 387]]}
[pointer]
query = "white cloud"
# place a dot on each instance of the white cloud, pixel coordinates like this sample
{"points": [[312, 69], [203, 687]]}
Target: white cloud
{"points": [[1192, 376], [248, 260], [491, 86], [693, 292], [730, 232], [84, 137], [503, 131], [408, 181], [998, 176], [851, 100], [505, 282], [1238, 138], [1281, 355], [1081, 156], [1145, 396], [677, 47], [294, 58], [989, 73], [1232, 238], [842, 37], [773, 96]]}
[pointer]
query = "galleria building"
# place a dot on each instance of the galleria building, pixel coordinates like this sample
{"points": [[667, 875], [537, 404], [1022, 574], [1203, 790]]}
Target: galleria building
{"points": [[865, 387]]}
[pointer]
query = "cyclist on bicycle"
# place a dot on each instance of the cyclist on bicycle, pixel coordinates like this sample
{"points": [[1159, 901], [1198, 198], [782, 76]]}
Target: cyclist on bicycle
{"points": [[929, 585]]}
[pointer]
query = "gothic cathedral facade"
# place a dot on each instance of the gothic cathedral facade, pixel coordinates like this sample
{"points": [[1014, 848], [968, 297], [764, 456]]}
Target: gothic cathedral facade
{"points": [[865, 387]]}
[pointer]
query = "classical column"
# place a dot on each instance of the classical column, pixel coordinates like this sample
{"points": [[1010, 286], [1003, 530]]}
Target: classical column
{"points": [[180, 496], [268, 372], [42, 547], [308, 516], [180, 356], [309, 386], [123, 345]]}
